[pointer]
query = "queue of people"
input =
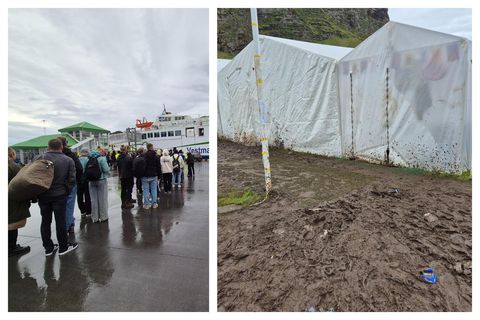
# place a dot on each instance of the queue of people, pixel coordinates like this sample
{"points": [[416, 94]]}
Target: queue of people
{"points": [[73, 177], [152, 171], [83, 177]]}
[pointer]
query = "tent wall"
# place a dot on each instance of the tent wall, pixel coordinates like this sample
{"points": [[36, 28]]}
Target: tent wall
{"points": [[300, 93], [402, 97], [410, 104]]}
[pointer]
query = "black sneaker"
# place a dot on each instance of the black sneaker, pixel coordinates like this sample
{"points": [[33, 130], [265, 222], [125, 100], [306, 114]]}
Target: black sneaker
{"points": [[49, 253], [18, 250], [71, 246]]}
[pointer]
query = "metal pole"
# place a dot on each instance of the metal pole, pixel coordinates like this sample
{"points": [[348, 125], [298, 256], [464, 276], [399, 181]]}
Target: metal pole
{"points": [[261, 103], [388, 128], [135, 137]]}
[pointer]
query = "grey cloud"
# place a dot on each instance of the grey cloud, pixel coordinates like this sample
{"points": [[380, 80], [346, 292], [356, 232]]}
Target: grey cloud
{"points": [[457, 21], [105, 66]]}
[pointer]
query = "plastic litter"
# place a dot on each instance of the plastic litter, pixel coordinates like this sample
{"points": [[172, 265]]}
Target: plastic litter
{"points": [[313, 309], [394, 190], [430, 217], [428, 275], [325, 232]]}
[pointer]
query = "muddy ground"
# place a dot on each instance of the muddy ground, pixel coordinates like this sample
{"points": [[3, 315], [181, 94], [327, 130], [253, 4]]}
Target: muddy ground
{"points": [[334, 237]]}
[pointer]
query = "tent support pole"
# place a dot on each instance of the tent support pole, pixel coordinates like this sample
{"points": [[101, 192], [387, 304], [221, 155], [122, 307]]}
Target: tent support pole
{"points": [[351, 110], [388, 128], [261, 103]]}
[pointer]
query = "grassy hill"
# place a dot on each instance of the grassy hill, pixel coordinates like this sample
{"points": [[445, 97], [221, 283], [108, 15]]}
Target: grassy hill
{"points": [[340, 27]]}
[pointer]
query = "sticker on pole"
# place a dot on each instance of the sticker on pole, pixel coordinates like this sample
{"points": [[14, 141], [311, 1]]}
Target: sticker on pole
{"points": [[263, 112]]}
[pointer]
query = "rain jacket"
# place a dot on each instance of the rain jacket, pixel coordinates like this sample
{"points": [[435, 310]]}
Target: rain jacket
{"points": [[102, 162]]}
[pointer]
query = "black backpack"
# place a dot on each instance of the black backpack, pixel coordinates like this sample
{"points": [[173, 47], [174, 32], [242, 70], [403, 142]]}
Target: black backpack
{"points": [[139, 166], [176, 165], [92, 170]]}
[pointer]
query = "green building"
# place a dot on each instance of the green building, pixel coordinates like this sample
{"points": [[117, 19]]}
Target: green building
{"points": [[83, 130], [80, 135]]}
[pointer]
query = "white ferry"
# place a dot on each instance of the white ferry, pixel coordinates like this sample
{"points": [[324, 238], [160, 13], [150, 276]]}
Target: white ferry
{"points": [[180, 131]]}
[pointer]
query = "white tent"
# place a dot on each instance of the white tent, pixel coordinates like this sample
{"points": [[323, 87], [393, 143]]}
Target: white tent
{"points": [[300, 92], [221, 63], [406, 99]]}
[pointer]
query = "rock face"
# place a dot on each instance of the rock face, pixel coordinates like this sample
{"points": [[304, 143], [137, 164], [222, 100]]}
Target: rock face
{"points": [[342, 27]]}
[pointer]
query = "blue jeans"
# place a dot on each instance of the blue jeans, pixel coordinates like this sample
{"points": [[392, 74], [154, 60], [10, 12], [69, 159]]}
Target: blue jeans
{"points": [[149, 186], [70, 219], [176, 177]]}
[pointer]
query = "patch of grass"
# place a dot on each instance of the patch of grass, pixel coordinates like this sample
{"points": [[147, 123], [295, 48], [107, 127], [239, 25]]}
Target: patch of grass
{"points": [[241, 198], [464, 176], [225, 55], [342, 42]]}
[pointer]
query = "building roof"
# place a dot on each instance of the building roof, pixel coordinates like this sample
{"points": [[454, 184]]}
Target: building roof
{"points": [[42, 141], [85, 126]]}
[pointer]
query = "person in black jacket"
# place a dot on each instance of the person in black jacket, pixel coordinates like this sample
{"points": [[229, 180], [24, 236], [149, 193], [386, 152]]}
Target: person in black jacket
{"points": [[113, 159], [70, 219], [125, 172], [191, 164], [55, 199], [138, 171], [83, 194], [150, 178]]}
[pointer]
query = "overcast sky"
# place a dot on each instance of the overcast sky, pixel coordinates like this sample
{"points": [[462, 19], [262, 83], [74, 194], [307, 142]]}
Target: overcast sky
{"points": [[105, 66], [453, 21]]}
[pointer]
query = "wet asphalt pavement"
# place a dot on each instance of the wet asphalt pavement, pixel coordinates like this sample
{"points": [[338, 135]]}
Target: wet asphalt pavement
{"points": [[139, 260]]}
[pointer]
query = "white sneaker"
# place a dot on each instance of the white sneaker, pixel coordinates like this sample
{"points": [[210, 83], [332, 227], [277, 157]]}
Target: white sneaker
{"points": [[146, 206], [71, 247], [155, 206], [55, 248]]}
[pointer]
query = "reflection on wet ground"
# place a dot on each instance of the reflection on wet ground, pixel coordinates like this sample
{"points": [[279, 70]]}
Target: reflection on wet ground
{"points": [[139, 260]]}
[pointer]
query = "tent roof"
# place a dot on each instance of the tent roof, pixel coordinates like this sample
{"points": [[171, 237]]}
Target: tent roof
{"points": [[42, 141], [397, 36], [86, 126], [221, 63], [333, 52]]}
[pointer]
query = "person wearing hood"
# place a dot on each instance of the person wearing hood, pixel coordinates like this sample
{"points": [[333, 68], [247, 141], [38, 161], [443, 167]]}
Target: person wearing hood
{"points": [[70, 219], [125, 172], [150, 178], [167, 168], [178, 165], [83, 194], [183, 166], [99, 189]]}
